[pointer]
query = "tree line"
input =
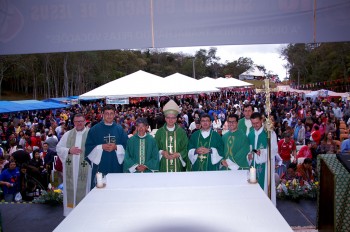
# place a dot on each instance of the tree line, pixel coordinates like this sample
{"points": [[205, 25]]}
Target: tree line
{"points": [[74, 73], [317, 62]]}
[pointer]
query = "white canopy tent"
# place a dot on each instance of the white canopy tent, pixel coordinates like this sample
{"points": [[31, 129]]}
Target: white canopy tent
{"points": [[287, 88], [232, 82], [224, 82], [137, 84], [185, 84], [143, 84], [326, 93]]}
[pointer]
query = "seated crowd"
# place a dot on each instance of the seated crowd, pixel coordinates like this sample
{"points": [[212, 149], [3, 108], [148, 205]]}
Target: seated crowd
{"points": [[29, 140]]}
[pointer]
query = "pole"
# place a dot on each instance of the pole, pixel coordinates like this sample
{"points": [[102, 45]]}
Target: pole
{"points": [[269, 128], [194, 68]]}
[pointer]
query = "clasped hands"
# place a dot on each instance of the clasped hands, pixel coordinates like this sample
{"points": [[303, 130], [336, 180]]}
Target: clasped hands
{"points": [[141, 168], [170, 156], [202, 150], [250, 155], [75, 150], [109, 147]]}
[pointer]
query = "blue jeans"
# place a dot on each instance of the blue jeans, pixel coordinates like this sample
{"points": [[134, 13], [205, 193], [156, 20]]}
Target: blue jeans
{"points": [[9, 197]]}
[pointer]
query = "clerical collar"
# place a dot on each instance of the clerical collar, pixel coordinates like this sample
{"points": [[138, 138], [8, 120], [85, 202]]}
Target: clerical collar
{"points": [[205, 134], [171, 129], [258, 132], [247, 121], [142, 136], [82, 131]]}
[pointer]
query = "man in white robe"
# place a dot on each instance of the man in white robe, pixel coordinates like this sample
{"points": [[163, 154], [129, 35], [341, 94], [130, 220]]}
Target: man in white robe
{"points": [[76, 171], [258, 157]]}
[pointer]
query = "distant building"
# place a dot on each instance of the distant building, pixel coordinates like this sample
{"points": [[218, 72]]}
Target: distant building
{"points": [[252, 74]]}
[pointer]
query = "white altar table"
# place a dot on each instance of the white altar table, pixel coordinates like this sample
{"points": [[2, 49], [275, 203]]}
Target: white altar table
{"points": [[168, 202]]}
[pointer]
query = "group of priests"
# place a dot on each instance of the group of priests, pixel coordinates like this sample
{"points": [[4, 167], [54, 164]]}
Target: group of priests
{"points": [[106, 148]]}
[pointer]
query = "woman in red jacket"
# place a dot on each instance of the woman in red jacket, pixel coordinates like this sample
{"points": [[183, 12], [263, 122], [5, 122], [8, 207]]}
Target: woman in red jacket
{"points": [[305, 151], [316, 135]]}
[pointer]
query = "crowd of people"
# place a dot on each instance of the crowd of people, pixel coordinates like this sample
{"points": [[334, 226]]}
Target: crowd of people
{"points": [[220, 131]]}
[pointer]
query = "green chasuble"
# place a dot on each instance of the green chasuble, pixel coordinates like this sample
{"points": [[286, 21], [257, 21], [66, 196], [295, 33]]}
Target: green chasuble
{"points": [[141, 151], [241, 126], [236, 148], [204, 162], [172, 141], [261, 144]]}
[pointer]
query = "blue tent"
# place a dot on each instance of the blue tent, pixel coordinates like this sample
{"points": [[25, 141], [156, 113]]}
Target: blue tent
{"points": [[26, 105], [66, 100], [39, 105], [9, 106]]}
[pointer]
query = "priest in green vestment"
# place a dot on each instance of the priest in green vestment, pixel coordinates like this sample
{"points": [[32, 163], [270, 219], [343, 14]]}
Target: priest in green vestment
{"points": [[141, 154], [236, 146], [258, 157], [76, 171], [205, 147], [105, 145], [172, 141], [244, 124]]}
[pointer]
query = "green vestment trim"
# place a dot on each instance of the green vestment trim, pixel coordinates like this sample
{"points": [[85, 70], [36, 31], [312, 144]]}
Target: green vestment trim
{"points": [[204, 162], [83, 171], [236, 148], [261, 144], [141, 151], [172, 141]]}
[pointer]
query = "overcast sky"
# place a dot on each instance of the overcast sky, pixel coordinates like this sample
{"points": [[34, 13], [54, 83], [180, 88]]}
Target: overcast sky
{"points": [[265, 54]]}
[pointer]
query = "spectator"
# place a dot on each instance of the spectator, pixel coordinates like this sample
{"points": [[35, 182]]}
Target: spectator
{"points": [[286, 149], [304, 170], [10, 181], [316, 135], [290, 174], [299, 132], [305, 151], [21, 156], [328, 146], [216, 123], [345, 146], [52, 141]]}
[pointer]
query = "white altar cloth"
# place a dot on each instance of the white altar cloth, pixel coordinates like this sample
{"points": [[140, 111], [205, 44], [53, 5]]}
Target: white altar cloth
{"points": [[168, 202]]}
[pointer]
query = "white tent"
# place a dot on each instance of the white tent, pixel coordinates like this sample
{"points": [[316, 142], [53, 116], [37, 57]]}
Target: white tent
{"points": [[251, 74], [143, 84], [183, 84], [137, 84], [224, 82], [287, 88], [232, 82], [326, 93]]}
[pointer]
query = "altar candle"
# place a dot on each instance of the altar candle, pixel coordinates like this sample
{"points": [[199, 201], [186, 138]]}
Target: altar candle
{"points": [[252, 174], [99, 180]]}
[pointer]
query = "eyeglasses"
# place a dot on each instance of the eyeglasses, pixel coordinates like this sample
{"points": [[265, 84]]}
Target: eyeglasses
{"points": [[173, 118], [231, 121]]}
